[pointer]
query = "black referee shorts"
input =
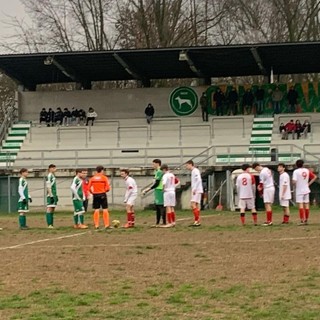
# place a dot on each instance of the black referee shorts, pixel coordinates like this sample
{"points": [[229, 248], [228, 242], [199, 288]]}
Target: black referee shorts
{"points": [[100, 201]]}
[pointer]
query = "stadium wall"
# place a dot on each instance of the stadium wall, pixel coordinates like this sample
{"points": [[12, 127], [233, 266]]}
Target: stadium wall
{"points": [[115, 103]]}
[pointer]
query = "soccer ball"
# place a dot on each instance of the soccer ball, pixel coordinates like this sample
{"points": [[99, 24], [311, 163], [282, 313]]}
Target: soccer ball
{"points": [[116, 223]]}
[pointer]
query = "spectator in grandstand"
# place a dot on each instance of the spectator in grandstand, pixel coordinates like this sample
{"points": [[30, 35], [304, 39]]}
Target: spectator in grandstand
{"points": [[43, 116], [292, 97], [149, 112], [219, 98], [233, 101], [247, 101], [277, 96], [74, 116], [298, 129], [290, 127], [50, 118], [82, 116], [204, 106], [282, 129], [260, 99], [91, 116], [306, 125], [66, 117], [58, 117]]}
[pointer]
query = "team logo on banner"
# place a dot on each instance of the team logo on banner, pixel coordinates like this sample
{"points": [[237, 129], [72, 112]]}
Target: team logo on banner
{"points": [[183, 101]]}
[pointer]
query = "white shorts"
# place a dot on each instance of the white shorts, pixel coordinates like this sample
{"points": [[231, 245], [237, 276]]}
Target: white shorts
{"points": [[131, 200], [302, 198], [246, 203], [268, 195], [284, 203], [196, 197], [169, 199]]}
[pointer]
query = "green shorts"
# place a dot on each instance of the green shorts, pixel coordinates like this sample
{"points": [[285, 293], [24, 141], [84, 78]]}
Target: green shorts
{"points": [[23, 207], [158, 196], [78, 206], [52, 204]]}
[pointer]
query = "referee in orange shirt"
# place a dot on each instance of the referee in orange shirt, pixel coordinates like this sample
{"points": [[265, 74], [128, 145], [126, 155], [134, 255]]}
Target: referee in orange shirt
{"points": [[99, 186]]}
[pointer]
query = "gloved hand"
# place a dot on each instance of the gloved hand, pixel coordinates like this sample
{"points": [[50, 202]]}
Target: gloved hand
{"points": [[51, 200], [24, 201], [30, 200]]}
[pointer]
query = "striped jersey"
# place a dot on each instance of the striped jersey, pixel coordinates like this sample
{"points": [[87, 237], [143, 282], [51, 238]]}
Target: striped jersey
{"points": [[51, 184], [76, 188], [23, 189]]}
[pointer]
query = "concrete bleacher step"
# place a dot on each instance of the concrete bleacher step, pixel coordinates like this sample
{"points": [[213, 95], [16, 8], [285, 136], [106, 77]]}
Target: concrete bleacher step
{"points": [[259, 149]]}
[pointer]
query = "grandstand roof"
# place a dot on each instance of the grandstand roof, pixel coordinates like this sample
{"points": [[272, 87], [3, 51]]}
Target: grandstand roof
{"points": [[162, 63]]}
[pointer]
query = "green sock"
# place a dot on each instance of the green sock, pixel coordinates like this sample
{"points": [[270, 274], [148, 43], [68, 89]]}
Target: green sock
{"points": [[21, 221], [51, 218], [48, 218], [81, 218], [75, 218]]}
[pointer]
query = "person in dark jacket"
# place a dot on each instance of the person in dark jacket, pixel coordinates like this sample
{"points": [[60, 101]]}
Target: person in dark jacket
{"points": [[298, 129], [204, 106], [292, 97], [74, 116], [58, 118], [82, 116], [219, 98], [247, 101], [66, 117], [43, 116], [233, 101], [149, 112], [50, 118], [260, 99]]}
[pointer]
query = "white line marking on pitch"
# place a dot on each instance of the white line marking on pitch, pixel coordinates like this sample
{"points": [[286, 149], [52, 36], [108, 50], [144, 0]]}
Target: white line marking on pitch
{"points": [[43, 240]]}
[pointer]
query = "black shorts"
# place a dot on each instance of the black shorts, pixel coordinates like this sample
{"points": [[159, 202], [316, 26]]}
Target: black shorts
{"points": [[100, 201]]}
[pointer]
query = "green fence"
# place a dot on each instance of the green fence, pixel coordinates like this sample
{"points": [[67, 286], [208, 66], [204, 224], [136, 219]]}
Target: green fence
{"points": [[9, 194]]}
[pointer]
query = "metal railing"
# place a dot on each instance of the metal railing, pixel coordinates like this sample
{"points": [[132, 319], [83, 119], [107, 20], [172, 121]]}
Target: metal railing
{"points": [[229, 119], [148, 136], [85, 129], [7, 122], [168, 120], [195, 126]]}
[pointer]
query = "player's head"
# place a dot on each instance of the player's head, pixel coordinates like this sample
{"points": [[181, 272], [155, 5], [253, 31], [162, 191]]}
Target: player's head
{"points": [[24, 172], [52, 168], [124, 173], [99, 169], [80, 173], [189, 164], [281, 167], [164, 168], [256, 166], [299, 163], [156, 163], [245, 166], [84, 173]]}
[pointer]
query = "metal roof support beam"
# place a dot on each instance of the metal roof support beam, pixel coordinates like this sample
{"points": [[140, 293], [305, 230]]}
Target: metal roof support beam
{"points": [[184, 56], [258, 60], [131, 71]]}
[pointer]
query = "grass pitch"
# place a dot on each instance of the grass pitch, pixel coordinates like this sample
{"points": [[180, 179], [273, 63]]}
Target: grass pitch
{"points": [[218, 271]]}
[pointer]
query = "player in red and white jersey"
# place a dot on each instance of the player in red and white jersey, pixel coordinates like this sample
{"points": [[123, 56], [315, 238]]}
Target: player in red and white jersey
{"points": [[246, 188], [196, 192], [129, 197], [302, 178], [284, 192], [169, 182], [267, 186]]}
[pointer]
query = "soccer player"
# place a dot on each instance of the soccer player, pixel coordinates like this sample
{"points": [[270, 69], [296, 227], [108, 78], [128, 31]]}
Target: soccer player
{"points": [[302, 179], [23, 206], [169, 182], [99, 186], [196, 192], [85, 187], [267, 186], [246, 188], [158, 192], [52, 197], [77, 198], [284, 192], [129, 197]]}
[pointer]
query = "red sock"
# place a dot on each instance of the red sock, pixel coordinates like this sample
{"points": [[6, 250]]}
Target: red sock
{"points": [[132, 218], [195, 214], [255, 217], [242, 218], [173, 216], [286, 218], [169, 217], [301, 214], [269, 216], [198, 215], [129, 217], [307, 211]]}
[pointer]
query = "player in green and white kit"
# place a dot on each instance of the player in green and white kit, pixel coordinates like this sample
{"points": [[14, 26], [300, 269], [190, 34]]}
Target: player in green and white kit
{"points": [[158, 192], [78, 198], [23, 203], [52, 197]]}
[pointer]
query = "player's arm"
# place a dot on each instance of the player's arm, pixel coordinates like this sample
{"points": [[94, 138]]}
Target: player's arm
{"points": [[197, 184], [294, 178], [284, 189], [128, 193], [253, 185], [156, 183], [21, 191], [107, 184], [312, 178], [75, 191], [48, 184], [176, 182]]}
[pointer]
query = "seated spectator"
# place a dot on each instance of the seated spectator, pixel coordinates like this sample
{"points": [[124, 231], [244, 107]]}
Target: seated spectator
{"points": [[306, 128], [58, 118], [149, 112], [91, 116], [66, 117], [50, 118], [290, 128], [298, 129], [82, 116], [43, 116], [282, 128], [74, 116]]}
